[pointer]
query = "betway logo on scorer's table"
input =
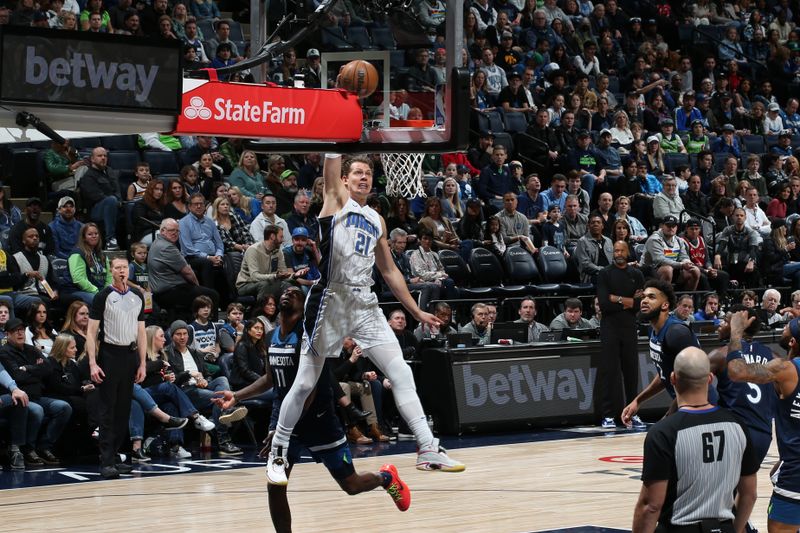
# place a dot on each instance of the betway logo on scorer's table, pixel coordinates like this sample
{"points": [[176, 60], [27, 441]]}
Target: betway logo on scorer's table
{"points": [[227, 109], [521, 384], [81, 70]]}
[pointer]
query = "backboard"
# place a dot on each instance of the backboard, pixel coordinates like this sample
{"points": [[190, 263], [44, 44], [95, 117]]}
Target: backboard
{"points": [[415, 108]]}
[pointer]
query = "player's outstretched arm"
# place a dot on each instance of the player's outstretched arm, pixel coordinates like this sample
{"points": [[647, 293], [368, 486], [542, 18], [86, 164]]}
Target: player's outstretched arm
{"points": [[335, 193], [227, 399], [394, 278]]}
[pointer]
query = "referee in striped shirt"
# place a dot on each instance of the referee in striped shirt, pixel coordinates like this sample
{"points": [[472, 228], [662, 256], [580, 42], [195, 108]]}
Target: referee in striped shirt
{"points": [[118, 312], [694, 460]]}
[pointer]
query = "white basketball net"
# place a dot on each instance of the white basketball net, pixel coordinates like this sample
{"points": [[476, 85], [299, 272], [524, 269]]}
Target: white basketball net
{"points": [[403, 174]]}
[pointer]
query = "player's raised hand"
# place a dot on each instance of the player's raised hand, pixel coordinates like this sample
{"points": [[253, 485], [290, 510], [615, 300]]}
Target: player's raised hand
{"points": [[427, 318], [224, 399], [739, 322]]}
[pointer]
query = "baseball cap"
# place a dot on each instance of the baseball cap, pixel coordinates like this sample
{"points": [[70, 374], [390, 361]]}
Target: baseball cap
{"points": [[287, 173], [33, 201], [312, 52], [550, 67], [507, 35], [701, 97], [636, 20], [583, 134], [666, 122], [670, 220], [785, 133], [65, 200], [514, 74], [300, 232], [774, 107], [14, 323], [724, 94], [728, 127], [473, 201], [689, 94], [605, 131], [632, 94], [653, 139], [697, 121], [692, 222], [777, 223], [515, 163]]}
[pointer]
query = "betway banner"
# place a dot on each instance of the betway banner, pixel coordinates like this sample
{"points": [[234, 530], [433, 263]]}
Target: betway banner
{"points": [[488, 391], [524, 389], [93, 71], [249, 110]]}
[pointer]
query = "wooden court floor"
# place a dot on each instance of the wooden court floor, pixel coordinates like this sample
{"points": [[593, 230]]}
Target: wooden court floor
{"points": [[507, 488]]}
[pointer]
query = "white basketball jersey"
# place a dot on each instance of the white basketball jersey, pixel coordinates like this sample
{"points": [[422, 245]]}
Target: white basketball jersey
{"points": [[347, 244]]}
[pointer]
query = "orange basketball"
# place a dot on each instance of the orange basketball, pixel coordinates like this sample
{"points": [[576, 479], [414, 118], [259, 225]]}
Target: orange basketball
{"points": [[359, 77]]}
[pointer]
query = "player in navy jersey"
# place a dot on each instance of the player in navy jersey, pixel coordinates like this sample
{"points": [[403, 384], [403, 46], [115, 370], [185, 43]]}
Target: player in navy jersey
{"points": [[342, 304], [753, 403], [784, 374], [319, 429], [668, 336]]}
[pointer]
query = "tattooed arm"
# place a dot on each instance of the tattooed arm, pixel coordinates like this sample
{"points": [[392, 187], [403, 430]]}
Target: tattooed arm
{"points": [[739, 370], [778, 371]]}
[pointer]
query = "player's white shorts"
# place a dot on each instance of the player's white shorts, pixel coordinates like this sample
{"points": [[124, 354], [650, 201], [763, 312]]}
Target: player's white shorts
{"points": [[338, 311]]}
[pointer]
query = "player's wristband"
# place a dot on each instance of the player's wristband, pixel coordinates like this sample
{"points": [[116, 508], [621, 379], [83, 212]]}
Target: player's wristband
{"points": [[333, 156], [736, 354]]}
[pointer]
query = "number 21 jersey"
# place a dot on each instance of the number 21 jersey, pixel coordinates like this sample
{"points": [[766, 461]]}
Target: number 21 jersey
{"points": [[347, 245]]}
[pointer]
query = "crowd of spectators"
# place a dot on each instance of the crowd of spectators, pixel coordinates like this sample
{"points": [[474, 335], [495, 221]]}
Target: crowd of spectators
{"points": [[629, 135]]}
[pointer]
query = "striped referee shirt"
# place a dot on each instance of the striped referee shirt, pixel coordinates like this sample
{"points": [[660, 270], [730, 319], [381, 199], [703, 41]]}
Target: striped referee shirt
{"points": [[701, 455], [119, 314]]}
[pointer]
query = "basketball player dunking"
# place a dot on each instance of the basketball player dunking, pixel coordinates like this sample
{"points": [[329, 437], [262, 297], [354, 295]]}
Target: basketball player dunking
{"points": [[341, 304]]}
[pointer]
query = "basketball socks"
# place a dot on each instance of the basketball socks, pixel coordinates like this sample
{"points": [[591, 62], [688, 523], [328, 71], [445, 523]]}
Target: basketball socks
{"points": [[308, 372], [386, 479], [280, 440], [389, 359]]}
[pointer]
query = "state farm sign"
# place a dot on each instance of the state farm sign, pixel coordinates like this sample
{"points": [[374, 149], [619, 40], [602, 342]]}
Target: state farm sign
{"points": [[245, 110]]}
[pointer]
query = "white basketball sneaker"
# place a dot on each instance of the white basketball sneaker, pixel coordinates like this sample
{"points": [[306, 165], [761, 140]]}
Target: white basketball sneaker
{"points": [[276, 469], [435, 458]]}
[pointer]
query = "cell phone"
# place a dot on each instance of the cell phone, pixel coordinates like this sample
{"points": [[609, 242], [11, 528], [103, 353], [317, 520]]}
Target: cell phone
{"points": [[790, 240]]}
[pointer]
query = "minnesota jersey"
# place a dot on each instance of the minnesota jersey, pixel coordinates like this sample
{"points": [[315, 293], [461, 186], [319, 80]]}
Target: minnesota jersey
{"points": [[348, 244], [673, 337], [754, 404], [787, 425], [202, 335], [318, 429]]}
